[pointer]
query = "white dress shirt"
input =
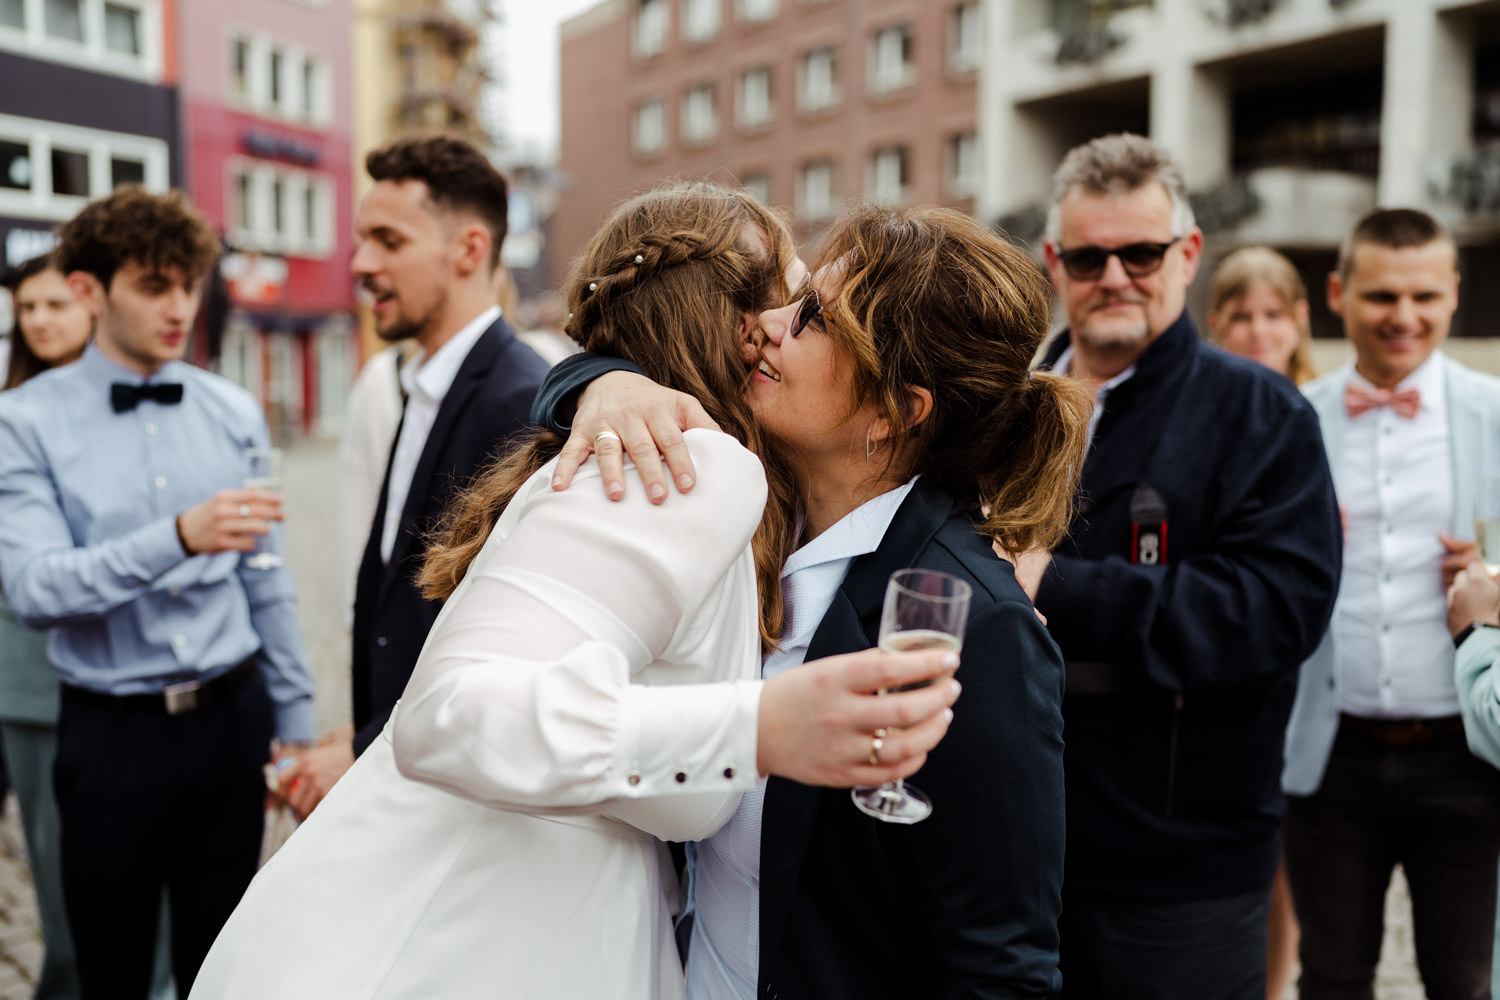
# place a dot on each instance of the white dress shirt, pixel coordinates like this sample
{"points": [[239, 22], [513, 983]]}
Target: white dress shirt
{"points": [[724, 954], [425, 381], [1395, 484], [1064, 366]]}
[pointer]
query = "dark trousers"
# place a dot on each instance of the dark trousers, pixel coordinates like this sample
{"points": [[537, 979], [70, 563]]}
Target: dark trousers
{"points": [[1127, 949], [152, 802], [1434, 809]]}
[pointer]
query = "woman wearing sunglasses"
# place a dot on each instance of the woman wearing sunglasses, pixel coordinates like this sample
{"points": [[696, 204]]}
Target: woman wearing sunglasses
{"points": [[896, 383]]}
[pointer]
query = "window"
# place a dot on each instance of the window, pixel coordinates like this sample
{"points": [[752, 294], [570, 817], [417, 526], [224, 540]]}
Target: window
{"points": [[758, 186], [108, 36], [754, 105], [817, 82], [70, 172], [757, 10], [700, 120], [815, 191], [64, 19], [700, 19], [965, 38], [280, 209], [48, 171], [278, 80], [886, 179], [651, 23], [962, 168], [650, 126], [891, 66], [122, 29]]}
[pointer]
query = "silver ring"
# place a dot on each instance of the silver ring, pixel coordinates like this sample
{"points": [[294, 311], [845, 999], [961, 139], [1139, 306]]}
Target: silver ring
{"points": [[876, 745], [606, 434], [245, 511]]}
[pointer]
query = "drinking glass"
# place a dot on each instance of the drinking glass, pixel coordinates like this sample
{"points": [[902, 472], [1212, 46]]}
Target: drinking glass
{"points": [[1487, 523], [263, 472], [923, 609]]}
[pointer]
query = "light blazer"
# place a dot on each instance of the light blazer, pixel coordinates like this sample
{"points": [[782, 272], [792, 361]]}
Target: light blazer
{"points": [[1474, 438], [487, 405], [965, 903]]}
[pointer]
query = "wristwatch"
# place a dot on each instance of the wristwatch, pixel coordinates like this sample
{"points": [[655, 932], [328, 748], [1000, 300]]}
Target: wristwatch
{"points": [[1468, 630]]}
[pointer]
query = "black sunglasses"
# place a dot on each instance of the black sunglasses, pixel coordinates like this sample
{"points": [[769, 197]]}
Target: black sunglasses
{"points": [[1138, 259], [806, 313]]}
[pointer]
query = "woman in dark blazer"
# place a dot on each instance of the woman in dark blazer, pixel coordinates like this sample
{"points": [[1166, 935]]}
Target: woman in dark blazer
{"points": [[897, 380]]}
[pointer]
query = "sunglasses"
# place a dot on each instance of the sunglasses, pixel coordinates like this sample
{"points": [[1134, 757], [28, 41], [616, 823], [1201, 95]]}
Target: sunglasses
{"points": [[809, 309], [1138, 259]]}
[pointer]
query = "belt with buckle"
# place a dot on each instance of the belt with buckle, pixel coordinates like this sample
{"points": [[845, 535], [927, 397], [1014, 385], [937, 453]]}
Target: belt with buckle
{"points": [[1403, 732], [174, 699]]}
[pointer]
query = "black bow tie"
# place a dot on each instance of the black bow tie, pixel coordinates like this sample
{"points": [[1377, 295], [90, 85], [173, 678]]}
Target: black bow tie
{"points": [[125, 397]]}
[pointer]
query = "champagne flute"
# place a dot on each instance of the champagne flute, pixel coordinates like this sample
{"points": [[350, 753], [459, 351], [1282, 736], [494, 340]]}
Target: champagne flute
{"points": [[923, 609], [263, 472], [1487, 523]]}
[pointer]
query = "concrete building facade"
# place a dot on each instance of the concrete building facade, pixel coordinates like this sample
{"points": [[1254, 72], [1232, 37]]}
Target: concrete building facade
{"points": [[809, 104], [1291, 117]]}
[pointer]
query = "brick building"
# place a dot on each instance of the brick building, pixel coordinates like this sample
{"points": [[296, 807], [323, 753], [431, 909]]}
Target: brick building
{"points": [[808, 104]]}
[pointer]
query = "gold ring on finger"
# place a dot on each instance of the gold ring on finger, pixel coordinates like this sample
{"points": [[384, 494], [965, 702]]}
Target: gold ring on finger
{"points": [[877, 743]]}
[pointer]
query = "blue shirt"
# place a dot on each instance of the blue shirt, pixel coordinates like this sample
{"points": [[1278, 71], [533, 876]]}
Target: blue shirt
{"points": [[88, 537], [724, 955]]}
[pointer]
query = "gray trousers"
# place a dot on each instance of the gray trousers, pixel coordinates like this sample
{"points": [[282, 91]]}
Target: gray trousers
{"points": [[30, 749]]}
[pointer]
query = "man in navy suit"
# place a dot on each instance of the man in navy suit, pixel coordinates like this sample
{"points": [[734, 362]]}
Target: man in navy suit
{"points": [[429, 236]]}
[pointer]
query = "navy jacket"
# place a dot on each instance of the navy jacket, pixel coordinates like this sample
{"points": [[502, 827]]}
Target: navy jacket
{"points": [[487, 405], [965, 903], [1181, 673]]}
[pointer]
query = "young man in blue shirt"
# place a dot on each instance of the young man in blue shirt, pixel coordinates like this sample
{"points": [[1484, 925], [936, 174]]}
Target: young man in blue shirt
{"points": [[122, 527]]}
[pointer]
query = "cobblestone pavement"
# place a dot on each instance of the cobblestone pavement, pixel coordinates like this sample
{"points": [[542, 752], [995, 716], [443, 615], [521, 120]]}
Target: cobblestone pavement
{"points": [[311, 530]]}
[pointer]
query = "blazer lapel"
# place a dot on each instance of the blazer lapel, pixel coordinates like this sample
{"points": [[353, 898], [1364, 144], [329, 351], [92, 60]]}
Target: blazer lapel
{"points": [[852, 623], [465, 384]]}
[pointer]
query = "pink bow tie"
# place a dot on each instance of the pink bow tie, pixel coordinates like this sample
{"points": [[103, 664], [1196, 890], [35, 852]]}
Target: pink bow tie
{"points": [[1358, 399]]}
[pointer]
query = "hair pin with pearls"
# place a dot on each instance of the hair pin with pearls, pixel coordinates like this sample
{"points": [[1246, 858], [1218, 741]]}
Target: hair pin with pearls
{"points": [[639, 259]]}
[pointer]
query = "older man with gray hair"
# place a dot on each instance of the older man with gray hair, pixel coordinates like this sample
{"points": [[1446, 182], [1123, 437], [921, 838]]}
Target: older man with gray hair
{"points": [[1200, 571]]}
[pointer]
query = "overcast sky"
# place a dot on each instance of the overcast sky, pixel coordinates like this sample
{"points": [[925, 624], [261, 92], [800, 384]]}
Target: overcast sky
{"points": [[528, 57]]}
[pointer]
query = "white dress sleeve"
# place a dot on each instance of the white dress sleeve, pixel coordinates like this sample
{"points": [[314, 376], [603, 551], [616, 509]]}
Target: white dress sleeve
{"points": [[523, 698]]}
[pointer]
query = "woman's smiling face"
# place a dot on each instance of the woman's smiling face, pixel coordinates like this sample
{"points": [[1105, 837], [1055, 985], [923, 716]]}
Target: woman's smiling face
{"points": [[801, 390]]}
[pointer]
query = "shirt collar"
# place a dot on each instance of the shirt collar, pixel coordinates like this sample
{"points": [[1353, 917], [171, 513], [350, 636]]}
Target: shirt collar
{"points": [[100, 368], [434, 376], [1428, 380], [1064, 366], [856, 533]]}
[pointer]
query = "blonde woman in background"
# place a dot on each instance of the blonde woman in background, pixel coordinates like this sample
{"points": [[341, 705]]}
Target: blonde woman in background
{"points": [[1258, 309]]}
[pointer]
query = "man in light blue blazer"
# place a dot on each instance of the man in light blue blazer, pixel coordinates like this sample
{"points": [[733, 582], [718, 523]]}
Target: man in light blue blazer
{"points": [[1377, 769]]}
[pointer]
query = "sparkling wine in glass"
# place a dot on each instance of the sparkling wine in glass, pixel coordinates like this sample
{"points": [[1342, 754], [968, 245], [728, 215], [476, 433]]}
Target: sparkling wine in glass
{"points": [[1487, 523], [263, 472], [923, 609]]}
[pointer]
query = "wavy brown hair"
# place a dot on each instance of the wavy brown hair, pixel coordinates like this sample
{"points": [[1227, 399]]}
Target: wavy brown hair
{"points": [[1238, 272], [666, 284], [931, 299]]}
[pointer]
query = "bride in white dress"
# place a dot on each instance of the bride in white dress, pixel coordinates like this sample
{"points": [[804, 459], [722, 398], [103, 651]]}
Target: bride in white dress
{"points": [[590, 686]]}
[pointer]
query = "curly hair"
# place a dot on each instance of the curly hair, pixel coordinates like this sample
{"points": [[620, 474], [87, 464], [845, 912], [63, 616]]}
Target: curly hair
{"points": [[160, 232], [458, 177], [666, 283]]}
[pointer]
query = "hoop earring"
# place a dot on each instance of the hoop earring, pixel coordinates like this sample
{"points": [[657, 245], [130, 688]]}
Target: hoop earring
{"points": [[870, 448]]}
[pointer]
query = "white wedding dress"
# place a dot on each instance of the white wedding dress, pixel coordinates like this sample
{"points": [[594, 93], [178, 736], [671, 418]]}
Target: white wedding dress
{"points": [[591, 686]]}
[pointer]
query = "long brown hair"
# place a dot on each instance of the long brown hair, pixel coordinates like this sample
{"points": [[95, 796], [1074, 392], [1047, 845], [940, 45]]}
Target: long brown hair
{"points": [[932, 299], [1243, 268], [666, 283]]}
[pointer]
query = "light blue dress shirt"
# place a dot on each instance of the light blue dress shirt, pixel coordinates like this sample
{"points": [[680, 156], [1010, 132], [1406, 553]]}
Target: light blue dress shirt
{"points": [[88, 539], [724, 953]]}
